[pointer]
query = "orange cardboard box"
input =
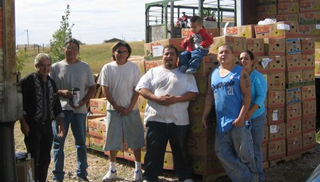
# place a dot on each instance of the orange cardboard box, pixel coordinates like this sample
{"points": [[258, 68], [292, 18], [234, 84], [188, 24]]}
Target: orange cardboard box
{"points": [[209, 63], [276, 149], [288, 17], [97, 127], [265, 135], [309, 17], [264, 150], [141, 66], [278, 64], [196, 106], [195, 128], [317, 68], [309, 30], [206, 165], [294, 145], [98, 105], [270, 9], [276, 115], [259, 66], [214, 32], [96, 143], [293, 127], [308, 77], [293, 46], [142, 103], [154, 49], [203, 146]]}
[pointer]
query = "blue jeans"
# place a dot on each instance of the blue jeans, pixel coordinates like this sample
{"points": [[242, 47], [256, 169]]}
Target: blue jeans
{"points": [[235, 153], [78, 127], [192, 58], [257, 132], [157, 136]]}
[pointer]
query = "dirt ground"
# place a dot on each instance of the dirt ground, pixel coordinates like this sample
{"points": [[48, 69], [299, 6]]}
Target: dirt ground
{"points": [[297, 170]]}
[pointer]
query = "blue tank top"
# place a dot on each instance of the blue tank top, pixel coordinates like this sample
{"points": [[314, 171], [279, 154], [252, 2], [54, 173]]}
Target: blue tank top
{"points": [[227, 97]]}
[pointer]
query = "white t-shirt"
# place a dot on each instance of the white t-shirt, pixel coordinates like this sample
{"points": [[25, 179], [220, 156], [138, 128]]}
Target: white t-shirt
{"points": [[160, 82], [121, 81], [68, 76]]}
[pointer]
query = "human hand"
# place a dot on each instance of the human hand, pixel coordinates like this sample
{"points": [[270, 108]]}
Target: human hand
{"points": [[24, 128], [238, 122], [65, 93], [204, 122], [60, 130]]}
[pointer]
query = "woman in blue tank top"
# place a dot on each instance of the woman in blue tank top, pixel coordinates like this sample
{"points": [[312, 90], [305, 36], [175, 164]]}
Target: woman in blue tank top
{"points": [[257, 110]]}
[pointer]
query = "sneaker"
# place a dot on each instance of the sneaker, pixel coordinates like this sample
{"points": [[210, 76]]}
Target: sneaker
{"points": [[183, 68], [82, 179], [110, 175], [137, 176], [191, 70]]}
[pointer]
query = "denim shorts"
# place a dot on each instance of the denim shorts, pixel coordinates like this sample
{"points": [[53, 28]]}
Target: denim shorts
{"points": [[120, 129]]}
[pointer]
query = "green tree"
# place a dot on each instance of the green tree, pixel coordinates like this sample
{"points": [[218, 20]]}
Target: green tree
{"points": [[21, 58], [60, 36]]}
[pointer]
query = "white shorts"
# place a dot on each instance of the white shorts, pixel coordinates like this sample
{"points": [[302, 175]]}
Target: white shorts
{"points": [[129, 126]]}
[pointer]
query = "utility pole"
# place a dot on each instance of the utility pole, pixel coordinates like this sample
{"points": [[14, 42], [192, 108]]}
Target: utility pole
{"points": [[27, 37]]}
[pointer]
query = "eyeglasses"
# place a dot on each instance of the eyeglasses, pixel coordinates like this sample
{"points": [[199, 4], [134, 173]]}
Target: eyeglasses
{"points": [[122, 52]]}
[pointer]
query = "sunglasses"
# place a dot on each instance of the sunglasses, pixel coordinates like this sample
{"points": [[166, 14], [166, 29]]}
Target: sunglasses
{"points": [[122, 52]]}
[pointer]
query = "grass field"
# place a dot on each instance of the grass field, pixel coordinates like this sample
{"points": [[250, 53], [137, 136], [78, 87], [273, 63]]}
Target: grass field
{"points": [[95, 55]]}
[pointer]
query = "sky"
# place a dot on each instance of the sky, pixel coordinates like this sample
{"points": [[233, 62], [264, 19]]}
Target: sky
{"points": [[94, 20]]}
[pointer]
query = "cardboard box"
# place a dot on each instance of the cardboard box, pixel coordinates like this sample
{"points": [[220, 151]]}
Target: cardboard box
{"points": [[309, 17], [128, 155], [317, 54], [317, 41], [308, 124], [141, 65], [293, 46], [309, 30], [265, 135], [287, 1], [278, 64], [293, 127], [307, 62], [307, 46], [287, 8], [294, 145], [264, 150], [276, 149], [214, 32], [286, 29], [309, 5], [206, 165], [294, 79], [256, 45], [202, 83], [270, 9], [259, 64], [154, 49], [238, 44], [25, 171], [96, 143], [317, 68], [98, 105], [195, 128], [196, 106], [308, 92], [293, 62], [276, 115], [142, 103], [275, 81], [293, 111], [293, 95], [308, 77], [168, 161], [208, 64], [97, 127], [288, 17], [152, 64], [309, 140], [246, 31], [277, 132], [309, 108], [275, 46], [202, 146], [275, 98]]}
